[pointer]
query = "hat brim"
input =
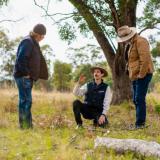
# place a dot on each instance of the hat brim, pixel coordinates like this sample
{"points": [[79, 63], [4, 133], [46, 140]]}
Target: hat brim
{"points": [[103, 71], [126, 38]]}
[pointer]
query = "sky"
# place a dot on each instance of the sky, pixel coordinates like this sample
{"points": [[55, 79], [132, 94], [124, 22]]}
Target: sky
{"points": [[32, 15]]}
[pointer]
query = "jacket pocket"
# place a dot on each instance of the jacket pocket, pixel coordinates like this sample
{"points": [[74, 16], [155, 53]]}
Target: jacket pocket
{"points": [[134, 68]]}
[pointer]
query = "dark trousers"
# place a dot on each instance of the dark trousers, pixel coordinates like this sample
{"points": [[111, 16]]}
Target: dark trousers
{"points": [[140, 88], [88, 112], [25, 101]]}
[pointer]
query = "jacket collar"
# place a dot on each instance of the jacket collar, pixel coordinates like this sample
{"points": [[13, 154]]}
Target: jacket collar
{"points": [[134, 39]]}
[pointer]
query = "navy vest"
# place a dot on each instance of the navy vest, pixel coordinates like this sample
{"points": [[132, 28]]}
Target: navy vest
{"points": [[95, 95]]}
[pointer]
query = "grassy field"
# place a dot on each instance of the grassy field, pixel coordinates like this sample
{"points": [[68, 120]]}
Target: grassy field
{"points": [[54, 136]]}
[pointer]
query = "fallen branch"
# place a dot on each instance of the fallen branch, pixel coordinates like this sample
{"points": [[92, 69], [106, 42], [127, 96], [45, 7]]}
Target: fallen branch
{"points": [[139, 146]]}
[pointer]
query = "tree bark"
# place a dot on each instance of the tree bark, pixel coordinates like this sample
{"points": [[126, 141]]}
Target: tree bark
{"points": [[121, 88], [128, 12]]}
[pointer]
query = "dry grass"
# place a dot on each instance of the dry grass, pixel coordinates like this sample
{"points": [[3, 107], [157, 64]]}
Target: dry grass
{"points": [[54, 136]]}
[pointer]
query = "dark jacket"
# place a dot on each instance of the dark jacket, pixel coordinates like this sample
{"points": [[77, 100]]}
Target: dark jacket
{"points": [[95, 95], [30, 61]]}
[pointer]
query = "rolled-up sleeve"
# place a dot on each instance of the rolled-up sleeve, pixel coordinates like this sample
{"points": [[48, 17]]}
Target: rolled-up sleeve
{"points": [[107, 100]]}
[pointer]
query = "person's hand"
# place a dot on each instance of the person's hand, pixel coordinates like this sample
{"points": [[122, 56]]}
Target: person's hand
{"points": [[139, 77], [82, 79], [101, 119]]}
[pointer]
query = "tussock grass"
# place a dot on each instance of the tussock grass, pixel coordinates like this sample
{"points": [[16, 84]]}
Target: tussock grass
{"points": [[54, 136]]}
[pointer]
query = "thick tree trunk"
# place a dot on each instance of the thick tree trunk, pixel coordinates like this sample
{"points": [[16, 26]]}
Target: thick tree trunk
{"points": [[121, 88], [128, 12], [121, 82]]}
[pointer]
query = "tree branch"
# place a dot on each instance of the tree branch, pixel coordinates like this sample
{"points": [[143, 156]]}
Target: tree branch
{"points": [[9, 20], [48, 4], [45, 10], [63, 19], [114, 13], [103, 19], [62, 14], [96, 29], [150, 27], [68, 15]]}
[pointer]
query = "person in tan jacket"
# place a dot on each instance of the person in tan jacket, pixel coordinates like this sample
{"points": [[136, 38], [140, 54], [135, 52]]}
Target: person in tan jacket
{"points": [[140, 68]]}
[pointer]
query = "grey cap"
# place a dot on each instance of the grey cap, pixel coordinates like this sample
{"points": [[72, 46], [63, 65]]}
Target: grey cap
{"points": [[40, 29]]}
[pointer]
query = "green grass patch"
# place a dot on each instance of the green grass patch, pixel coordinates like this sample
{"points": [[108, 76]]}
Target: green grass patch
{"points": [[54, 136]]}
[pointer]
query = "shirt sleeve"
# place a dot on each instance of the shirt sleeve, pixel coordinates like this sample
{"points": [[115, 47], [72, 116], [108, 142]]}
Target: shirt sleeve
{"points": [[107, 100], [80, 90]]}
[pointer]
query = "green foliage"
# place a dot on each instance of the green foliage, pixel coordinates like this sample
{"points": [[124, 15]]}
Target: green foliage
{"points": [[102, 13], [8, 55], [155, 79], [156, 51], [151, 15], [85, 70], [87, 54], [3, 2], [84, 58], [62, 76], [66, 32], [81, 24]]}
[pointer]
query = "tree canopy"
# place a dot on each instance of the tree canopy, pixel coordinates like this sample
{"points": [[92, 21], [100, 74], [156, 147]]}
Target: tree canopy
{"points": [[101, 19]]}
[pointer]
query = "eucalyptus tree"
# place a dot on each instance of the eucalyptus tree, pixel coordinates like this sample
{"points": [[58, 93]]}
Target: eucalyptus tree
{"points": [[102, 18]]}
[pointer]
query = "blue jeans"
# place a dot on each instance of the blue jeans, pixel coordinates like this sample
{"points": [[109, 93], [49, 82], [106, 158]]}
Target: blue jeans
{"points": [[140, 88], [25, 101]]}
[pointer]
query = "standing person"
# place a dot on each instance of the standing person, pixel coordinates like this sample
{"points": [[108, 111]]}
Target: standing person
{"points": [[140, 68], [97, 98], [30, 65]]}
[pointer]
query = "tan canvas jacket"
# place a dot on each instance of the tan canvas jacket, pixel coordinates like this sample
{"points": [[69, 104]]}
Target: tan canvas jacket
{"points": [[139, 58]]}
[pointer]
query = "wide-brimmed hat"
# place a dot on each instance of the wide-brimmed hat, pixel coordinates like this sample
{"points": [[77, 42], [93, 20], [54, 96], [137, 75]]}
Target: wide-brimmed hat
{"points": [[100, 68], [125, 33]]}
